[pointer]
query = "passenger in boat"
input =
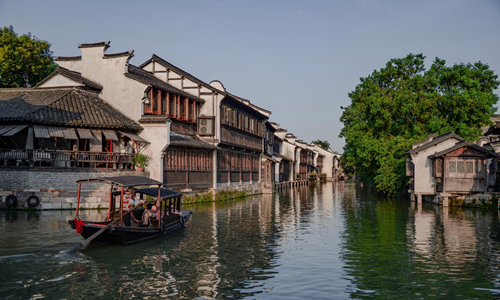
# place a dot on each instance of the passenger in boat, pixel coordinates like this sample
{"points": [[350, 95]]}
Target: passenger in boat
{"points": [[173, 210], [147, 215], [129, 201]]}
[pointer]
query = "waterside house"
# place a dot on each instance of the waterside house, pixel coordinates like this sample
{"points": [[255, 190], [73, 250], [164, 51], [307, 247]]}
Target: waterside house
{"points": [[448, 170], [97, 110]]}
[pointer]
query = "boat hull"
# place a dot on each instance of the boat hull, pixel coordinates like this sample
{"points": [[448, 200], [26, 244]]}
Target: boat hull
{"points": [[125, 235]]}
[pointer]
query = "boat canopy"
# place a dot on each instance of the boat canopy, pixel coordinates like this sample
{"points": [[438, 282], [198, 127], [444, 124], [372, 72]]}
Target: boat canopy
{"points": [[164, 193], [124, 181]]}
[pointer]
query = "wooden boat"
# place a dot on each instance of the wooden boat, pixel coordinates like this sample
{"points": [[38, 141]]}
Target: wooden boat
{"points": [[167, 201]]}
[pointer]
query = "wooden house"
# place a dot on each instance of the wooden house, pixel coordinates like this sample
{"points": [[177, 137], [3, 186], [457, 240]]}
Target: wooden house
{"points": [[448, 166], [66, 127]]}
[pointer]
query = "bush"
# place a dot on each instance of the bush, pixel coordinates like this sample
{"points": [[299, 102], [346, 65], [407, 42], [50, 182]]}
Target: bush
{"points": [[140, 160]]}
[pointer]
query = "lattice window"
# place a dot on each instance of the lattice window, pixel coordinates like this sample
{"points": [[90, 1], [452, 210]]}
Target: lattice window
{"points": [[164, 103], [452, 167]]}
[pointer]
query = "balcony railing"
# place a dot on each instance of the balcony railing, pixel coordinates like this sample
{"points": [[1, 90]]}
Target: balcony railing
{"points": [[65, 159]]}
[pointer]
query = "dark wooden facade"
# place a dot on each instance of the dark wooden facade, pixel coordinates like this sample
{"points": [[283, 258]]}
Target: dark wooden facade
{"points": [[187, 168], [285, 170], [461, 170], [175, 106], [242, 134], [237, 166]]}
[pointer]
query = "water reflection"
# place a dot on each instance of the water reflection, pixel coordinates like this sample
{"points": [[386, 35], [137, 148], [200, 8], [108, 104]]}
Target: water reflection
{"points": [[333, 241]]}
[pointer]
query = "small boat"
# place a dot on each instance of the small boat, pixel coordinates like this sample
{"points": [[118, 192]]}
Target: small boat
{"points": [[121, 230]]}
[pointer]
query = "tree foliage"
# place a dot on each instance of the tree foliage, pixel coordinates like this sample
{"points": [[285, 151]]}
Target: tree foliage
{"points": [[403, 103], [24, 60], [323, 144]]}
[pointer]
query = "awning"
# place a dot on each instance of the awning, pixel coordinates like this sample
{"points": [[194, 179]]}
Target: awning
{"points": [[134, 137], [125, 181], [41, 132], [97, 133], [14, 130], [56, 132], [6, 128], [70, 134], [84, 133], [110, 135]]}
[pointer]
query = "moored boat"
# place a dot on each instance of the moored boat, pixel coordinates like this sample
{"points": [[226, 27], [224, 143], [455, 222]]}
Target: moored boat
{"points": [[169, 215]]}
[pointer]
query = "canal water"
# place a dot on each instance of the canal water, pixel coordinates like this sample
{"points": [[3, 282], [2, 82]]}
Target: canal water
{"points": [[331, 241]]}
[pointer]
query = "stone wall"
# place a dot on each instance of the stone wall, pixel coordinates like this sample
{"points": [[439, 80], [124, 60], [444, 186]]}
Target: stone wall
{"points": [[250, 188], [56, 188], [467, 200]]}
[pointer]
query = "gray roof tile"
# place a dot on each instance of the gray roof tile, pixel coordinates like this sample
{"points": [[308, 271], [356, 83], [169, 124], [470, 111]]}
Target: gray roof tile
{"points": [[63, 107]]}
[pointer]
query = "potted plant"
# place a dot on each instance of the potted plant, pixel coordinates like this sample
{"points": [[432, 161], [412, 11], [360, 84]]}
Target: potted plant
{"points": [[140, 161]]}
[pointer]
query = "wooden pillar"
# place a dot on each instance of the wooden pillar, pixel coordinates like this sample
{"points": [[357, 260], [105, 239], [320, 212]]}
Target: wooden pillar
{"points": [[158, 207], [160, 102], [121, 208], [110, 202], [78, 200], [167, 103]]}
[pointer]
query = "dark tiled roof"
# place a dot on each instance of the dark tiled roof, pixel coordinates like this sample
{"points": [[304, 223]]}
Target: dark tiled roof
{"points": [[187, 75], [75, 76], [153, 119], [91, 45], [149, 79], [181, 140], [436, 140], [67, 58], [63, 107], [465, 143], [126, 53], [265, 112]]}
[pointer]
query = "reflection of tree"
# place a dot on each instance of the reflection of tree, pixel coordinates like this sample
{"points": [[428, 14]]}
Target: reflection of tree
{"points": [[390, 253]]}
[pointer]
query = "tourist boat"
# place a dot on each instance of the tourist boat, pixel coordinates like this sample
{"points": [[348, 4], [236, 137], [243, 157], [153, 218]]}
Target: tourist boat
{"points": [[119, 232]]}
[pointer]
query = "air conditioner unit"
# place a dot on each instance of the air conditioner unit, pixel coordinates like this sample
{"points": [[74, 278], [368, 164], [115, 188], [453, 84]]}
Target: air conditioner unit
{"points": [[205, 126]]}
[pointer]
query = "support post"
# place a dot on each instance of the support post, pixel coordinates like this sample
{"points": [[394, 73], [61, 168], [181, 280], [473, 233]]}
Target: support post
{"points": [[121, 208], [158, 208], [78, 201], [110, 202]]}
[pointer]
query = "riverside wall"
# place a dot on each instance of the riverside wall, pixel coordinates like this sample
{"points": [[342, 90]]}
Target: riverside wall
{"points": [[56, 188]]}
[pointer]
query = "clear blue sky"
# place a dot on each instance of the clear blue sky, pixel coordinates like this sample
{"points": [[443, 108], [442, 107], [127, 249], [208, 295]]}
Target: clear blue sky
{"points": [[299, 59]]}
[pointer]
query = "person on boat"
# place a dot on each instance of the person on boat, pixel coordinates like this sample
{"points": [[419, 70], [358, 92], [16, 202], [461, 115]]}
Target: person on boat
{"points": [[147, 215], [173, 210], [129, 201]]}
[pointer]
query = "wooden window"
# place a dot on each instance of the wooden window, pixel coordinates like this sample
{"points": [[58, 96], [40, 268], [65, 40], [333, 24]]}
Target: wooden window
{"points": [[182, 114], [147, 107], [469, 167], [460, 167], [452, 167], [164, 103], [172, 109], [155, 102], [439, 167]]}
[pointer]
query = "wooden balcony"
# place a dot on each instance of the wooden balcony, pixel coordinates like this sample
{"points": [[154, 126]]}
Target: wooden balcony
{"points": [[65, 159]]}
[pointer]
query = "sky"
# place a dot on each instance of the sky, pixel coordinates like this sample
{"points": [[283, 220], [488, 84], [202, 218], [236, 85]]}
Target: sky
{"points": [[298, 59]]}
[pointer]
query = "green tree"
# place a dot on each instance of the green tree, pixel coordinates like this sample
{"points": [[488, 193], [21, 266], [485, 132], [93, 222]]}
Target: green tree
{"points": [[323, 144], [404, 103], [24, 60]]}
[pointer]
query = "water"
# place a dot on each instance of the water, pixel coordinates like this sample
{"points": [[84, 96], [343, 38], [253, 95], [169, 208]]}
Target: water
{"points": [[329, 242]]}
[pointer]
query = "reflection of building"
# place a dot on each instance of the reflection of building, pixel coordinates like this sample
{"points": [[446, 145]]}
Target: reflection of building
{"points": [[447, 166], [444, 235]]}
